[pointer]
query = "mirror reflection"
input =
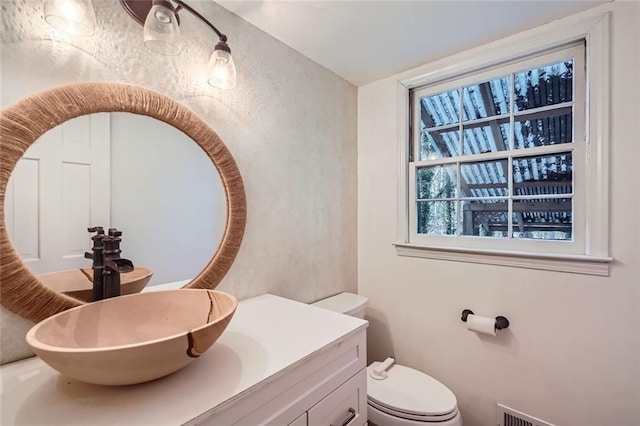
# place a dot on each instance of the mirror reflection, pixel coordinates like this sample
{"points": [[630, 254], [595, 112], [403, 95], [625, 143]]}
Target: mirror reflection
{"points": [[115, 170]]}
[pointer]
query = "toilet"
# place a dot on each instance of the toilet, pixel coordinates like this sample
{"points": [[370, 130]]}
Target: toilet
{"points": [[398, 395]]}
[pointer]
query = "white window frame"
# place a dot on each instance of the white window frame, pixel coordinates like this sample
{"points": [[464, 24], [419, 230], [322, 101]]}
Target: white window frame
{"points": [[589, 256]]}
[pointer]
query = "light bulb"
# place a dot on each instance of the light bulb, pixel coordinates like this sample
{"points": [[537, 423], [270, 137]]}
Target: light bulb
{"points": [[161, 29], [222, 70], [75, 17]]}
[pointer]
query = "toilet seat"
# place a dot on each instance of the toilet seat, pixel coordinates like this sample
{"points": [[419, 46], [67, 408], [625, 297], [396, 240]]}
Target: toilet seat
{"points": [[410, 394], [423, 418]]}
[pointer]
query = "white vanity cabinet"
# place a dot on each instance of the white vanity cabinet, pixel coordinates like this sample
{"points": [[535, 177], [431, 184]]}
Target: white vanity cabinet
{"points": [[327, 384], [330, 388], [279, 362], [346, 405], [300, 421]]}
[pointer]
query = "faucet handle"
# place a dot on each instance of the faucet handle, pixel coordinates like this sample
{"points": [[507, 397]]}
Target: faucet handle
{"points": [[113, 232], [98, 237], [98, 229]]}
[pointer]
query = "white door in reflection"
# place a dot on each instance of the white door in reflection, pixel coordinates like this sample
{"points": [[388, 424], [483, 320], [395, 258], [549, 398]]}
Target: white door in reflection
{"points": [[58, 189]]}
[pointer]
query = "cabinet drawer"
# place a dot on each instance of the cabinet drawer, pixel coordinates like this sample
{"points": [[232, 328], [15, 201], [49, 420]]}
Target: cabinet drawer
{"points": [[347, 405], [300, 421], [281, 400]]}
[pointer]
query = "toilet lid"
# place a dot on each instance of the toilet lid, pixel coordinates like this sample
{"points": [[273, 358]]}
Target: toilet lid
{"points": [[409, 391]]}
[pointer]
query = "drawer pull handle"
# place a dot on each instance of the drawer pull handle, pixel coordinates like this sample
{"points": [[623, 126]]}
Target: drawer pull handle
{"points": [[351, 416]]}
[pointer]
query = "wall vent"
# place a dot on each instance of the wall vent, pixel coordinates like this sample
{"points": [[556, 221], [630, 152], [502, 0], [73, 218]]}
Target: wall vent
{"points": [[510, 417]]}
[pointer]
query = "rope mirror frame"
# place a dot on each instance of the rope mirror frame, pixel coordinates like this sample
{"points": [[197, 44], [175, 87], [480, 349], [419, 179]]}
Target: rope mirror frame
{"points": [[22, 123]]}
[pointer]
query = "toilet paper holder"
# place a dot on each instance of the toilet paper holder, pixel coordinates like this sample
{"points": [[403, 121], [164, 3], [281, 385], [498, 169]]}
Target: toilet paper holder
{"points": [[501, 322]]}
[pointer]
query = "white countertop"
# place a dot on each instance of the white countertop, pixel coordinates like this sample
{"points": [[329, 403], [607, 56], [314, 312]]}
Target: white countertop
{"points": [[267, 336]]}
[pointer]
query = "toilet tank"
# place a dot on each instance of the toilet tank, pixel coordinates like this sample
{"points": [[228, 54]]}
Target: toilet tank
{"points": [[345, 303]]}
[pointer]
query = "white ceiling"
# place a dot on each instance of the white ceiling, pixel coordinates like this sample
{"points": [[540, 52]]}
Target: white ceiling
{"points": [[363, 41]]}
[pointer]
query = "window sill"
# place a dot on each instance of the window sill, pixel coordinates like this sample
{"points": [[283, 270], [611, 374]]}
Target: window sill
{"points": [[576, 264]]}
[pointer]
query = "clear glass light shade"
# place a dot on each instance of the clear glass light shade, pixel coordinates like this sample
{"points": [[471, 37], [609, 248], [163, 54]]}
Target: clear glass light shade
{"points": [[162, 32], [75, 17], [222, 70]]}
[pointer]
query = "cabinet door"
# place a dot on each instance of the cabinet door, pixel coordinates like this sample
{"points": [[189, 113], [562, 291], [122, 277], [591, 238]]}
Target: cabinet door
{"points": [[300, 421], [346, 406]]}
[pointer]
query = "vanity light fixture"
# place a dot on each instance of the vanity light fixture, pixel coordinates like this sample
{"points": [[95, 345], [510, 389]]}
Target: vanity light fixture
{"points": [[161, 30], [162, 35], [70, 16]]}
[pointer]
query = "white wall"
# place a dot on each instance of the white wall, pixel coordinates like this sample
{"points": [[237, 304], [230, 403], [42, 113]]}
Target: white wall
{"points": [[289, 123], [572, 353]]}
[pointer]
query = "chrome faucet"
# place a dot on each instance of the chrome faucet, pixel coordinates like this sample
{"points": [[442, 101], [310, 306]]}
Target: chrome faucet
{"points": [[107, 263]]}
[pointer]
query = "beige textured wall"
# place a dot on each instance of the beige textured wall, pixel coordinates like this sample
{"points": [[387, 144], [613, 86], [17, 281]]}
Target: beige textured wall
{"points": [[572, 353], [290, 124]]}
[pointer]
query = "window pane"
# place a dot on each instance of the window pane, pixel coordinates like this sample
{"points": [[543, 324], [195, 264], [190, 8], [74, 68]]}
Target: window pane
{"points": [[484, 179], [437, 217], [440, 110], [438, 144], [543, 131], [543, 219], [436, 182], [549, 85], [485, 218], [486, 99], [486, 137], [544, 175]]}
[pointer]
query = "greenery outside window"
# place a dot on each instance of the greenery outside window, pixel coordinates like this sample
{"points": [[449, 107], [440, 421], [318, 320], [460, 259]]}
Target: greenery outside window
{"points": [[495, 155], [504, 157]]}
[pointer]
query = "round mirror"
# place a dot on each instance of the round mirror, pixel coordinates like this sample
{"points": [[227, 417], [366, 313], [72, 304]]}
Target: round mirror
{"points": [[116, 170], [145, 177]]}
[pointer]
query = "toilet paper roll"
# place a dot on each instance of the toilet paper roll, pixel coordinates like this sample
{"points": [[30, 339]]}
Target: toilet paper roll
{"points": [[481, 324]]}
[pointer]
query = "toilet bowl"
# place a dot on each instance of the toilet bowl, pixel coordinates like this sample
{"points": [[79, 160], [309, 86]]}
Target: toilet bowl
{"points": [[404, 396], [399, 395]]}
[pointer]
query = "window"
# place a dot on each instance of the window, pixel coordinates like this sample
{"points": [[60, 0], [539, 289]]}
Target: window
{"points": [[499, 161], [494, 156]]}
